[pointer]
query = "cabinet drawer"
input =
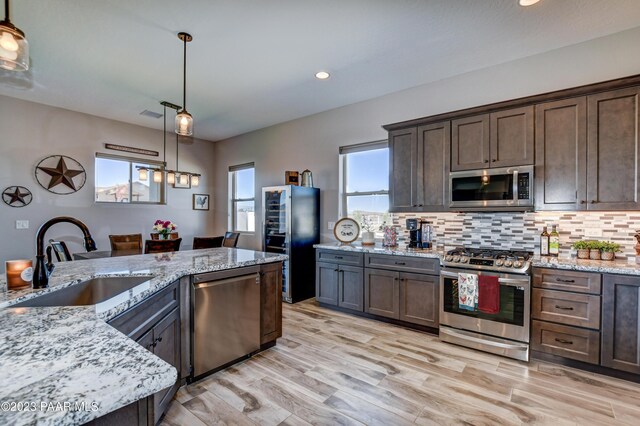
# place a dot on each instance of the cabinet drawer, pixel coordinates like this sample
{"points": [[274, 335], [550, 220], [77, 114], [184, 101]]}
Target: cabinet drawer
{"points": [[403, 263], [577, 309], [137, 320], [338, 256], [579, 282], [568, 342]]}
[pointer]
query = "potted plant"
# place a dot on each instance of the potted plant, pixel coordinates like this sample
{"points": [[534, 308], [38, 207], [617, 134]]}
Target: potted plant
{"points": [[594, 250], [583, 249], [609, 250], [368, 236]]}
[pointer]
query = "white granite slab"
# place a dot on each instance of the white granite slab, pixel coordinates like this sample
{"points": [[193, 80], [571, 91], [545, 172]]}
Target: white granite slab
{"points": [[379, 249], [70, 355]]}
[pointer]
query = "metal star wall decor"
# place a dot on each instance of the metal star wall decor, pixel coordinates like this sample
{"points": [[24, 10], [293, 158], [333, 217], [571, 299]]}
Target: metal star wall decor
{"points": [[17, 196], [60, 174]]}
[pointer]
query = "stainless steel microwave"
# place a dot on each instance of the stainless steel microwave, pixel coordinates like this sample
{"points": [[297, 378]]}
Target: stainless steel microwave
{"points": [[506, 188]]}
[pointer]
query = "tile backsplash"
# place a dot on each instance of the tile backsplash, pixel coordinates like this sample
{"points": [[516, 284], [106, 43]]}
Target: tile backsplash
{"points": [[521, 231]]}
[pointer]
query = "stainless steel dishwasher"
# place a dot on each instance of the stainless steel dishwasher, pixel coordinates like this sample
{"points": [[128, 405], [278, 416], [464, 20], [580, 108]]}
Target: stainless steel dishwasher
{"points": [[226, 318]]}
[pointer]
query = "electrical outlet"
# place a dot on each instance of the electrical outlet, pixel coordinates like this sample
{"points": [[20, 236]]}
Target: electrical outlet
{"points": [[22, 224], [331, 225], [593, 232]]}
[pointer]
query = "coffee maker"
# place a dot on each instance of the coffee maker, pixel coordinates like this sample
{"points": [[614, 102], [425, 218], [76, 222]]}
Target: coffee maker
{"points": [[419, 234]]}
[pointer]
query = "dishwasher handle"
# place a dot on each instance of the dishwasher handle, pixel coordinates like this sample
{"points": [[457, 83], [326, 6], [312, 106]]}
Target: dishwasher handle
{"points": [[198, 286]]}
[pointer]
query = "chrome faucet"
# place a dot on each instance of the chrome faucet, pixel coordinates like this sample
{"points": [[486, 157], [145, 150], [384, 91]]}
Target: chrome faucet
{"points": [[43, 271]]}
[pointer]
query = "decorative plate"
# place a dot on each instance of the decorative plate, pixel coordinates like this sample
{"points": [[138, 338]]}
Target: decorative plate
{"points": [[60, 174], [346, 230], [17, 196]]}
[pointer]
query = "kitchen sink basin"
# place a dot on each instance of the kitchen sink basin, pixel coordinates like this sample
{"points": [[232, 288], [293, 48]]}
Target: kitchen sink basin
{"points": [[95, 291]]}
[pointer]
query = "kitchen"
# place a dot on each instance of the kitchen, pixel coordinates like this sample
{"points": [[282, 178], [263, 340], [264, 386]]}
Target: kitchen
{"points": [[329, 366]]}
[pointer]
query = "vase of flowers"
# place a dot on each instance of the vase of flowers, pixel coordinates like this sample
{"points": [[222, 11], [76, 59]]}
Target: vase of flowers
{"points": [[164, 228], [368, 236]]}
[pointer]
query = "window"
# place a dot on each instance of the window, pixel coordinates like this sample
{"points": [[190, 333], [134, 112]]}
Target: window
{"points": [[242, 217], [365, 183], [118, 181]]}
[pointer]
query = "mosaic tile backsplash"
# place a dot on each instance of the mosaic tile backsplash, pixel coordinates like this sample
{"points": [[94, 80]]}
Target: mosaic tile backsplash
{"points": [[521, 231]]}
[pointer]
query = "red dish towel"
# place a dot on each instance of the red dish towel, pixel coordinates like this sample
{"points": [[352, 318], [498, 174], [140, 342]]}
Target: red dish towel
{"points": [[488, 294]]}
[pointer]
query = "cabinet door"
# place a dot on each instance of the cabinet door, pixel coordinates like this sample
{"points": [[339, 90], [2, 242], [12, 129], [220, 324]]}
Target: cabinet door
{"points": [[402, 169], [382, 293], [561, 155], [621, 323], [351, 288], [146, 340], [166, 345], [613, 178], [327, 283], [270, 302], [512, 137], [470, 143], [419, 299], [434, 144]]}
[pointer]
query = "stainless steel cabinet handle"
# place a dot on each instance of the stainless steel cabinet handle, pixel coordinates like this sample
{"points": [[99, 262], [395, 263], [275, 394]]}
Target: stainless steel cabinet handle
{"points": [[225, 281], [564, 308], [566, 342]]}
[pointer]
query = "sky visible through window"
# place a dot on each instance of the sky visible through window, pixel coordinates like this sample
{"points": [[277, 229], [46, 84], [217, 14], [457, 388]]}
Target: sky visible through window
{"points": [[245, 183], [368, 171]]}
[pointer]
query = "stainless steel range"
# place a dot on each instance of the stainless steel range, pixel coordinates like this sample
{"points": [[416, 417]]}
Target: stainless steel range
{"points": [[503, 330]]}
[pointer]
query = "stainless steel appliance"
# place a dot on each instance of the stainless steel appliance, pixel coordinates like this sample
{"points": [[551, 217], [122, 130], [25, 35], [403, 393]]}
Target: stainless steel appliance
{"points": [[226, 319], [506, 188], [291, 225], [505, 332]]}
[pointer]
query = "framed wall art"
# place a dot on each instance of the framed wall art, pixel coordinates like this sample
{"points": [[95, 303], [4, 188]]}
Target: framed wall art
{"points": [[201, 201]]}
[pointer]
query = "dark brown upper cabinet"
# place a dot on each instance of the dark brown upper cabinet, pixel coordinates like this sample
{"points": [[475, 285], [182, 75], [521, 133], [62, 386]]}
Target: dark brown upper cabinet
{"points": [[419, 168], [498, 139], [470, 143], [561, 155], [613, 177]]}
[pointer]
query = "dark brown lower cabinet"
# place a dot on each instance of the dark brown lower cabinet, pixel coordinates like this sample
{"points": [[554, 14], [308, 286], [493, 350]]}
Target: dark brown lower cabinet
{"points": [[419, 299], [621, 323], [382, 293], [270, 302]]}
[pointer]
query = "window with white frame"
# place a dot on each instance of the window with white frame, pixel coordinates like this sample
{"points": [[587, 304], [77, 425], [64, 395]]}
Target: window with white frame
{"points": [[242, 198], [364, 176], [118, 181]]}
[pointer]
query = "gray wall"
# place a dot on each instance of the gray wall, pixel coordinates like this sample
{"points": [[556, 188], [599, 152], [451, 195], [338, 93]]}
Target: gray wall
{"points": [[312, 142], [32, 131]]}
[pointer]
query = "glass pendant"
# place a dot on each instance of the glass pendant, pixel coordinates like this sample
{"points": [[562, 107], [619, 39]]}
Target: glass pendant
{"points": [[184, 123], [195, 180], [14, 48], [143, 174], [157, 176], [184, 179], [171, 178]]}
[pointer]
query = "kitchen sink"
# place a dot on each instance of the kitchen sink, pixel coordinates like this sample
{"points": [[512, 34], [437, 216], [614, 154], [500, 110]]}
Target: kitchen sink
{"points": [[97, 291]]}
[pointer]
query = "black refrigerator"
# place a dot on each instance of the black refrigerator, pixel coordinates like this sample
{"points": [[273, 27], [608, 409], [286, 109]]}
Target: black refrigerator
{"points": [[291, 225]]}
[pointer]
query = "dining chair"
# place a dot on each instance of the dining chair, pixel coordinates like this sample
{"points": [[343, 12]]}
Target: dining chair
{"points": [[172, 236], [207, 242], [126, 242], [230, 239], [60, 250], [162, 246]]}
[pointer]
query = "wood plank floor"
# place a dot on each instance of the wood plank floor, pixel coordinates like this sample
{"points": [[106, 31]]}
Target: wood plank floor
{"points": [[332, 368]]}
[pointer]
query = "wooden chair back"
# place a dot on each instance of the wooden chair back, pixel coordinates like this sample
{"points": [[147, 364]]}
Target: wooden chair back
{"points": [[162, 246], [125, 242], [207, 242], [230, 239]]}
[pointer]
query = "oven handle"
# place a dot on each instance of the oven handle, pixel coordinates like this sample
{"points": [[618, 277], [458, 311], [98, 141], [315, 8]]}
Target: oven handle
{"points": [[453, 333], [513, 282]]}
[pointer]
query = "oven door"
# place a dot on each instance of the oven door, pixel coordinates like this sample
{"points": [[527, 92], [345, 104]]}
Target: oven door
{"points": [[508, 187], [511, 321]]}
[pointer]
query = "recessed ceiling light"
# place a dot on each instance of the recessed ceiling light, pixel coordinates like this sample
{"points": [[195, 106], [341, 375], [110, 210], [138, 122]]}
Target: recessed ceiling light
{"points": [[528, 2], [322, 75]]}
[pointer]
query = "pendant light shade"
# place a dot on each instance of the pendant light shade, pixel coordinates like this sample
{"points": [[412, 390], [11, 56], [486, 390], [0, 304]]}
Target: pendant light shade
{"points": [[14, 48], [157, 176], [184, 179], [184, 120], [195, 180], [143, 174], [171, 178]]}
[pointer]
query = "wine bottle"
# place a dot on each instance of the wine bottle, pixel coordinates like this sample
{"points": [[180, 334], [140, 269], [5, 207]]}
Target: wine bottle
{"points": [[544, 242]]}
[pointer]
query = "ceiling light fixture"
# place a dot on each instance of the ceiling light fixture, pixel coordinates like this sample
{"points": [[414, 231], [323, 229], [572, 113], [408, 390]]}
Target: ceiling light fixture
{"points": [[526, 3], [322, 75], [184, 120], [14, 48]]}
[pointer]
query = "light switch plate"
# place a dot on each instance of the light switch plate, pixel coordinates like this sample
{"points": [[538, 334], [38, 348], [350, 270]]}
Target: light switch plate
{"points": [[593, 232], [22, 224], [331, 225]]}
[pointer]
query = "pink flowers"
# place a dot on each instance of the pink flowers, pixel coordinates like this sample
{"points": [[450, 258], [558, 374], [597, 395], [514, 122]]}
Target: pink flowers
{"points": [[164, 227]]}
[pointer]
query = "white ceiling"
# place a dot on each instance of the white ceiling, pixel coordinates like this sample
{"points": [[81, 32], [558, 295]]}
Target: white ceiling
{"points": [[252, 62]]}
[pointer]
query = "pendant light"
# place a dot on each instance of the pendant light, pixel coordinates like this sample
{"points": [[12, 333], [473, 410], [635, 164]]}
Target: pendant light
{"points": [[14, 48], [143, 174], [184, 120]]}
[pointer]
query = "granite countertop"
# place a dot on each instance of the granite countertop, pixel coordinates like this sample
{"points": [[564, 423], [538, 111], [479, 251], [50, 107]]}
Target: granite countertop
{"points": [[70, 355], [619, 266]]}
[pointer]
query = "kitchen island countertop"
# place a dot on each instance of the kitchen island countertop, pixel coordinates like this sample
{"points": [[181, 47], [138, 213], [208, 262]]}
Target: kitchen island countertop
{"points": [[57, 355]]}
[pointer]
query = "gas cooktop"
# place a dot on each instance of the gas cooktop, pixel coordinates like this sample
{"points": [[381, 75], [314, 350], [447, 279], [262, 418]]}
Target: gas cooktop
{"points": [[489, 259]]}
